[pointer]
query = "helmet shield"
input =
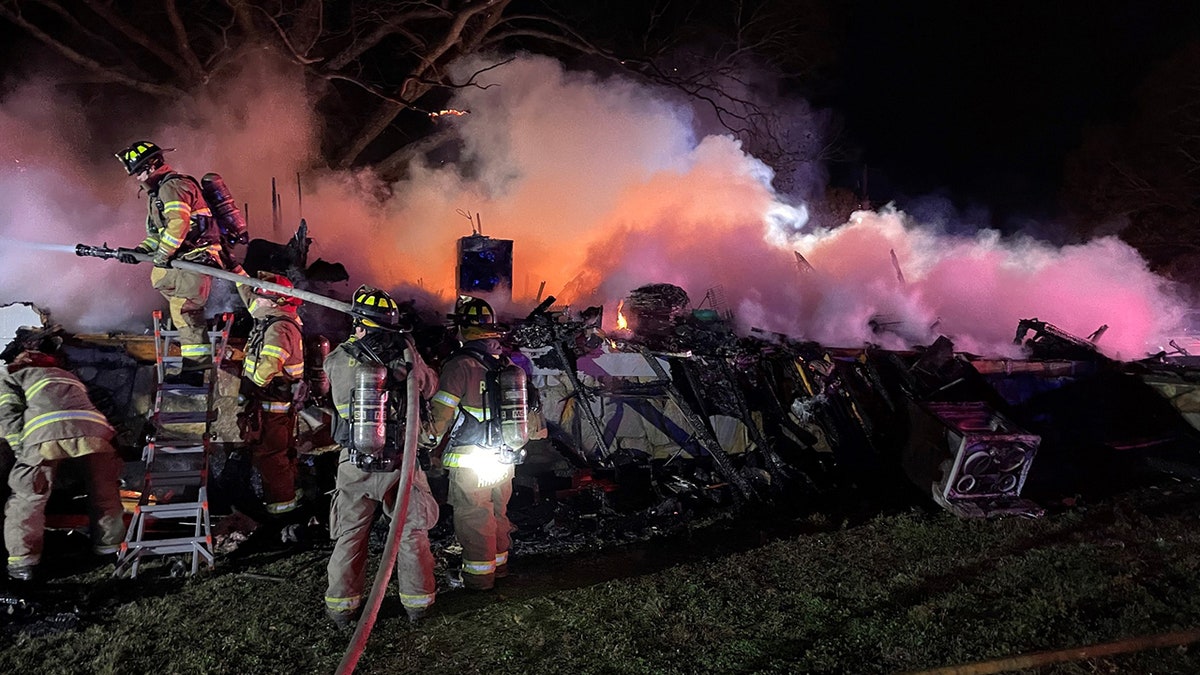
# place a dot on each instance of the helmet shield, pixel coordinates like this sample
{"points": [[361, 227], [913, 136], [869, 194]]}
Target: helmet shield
{"points": [[474, 312], [475, 319], [374, 308], [141, 156]]}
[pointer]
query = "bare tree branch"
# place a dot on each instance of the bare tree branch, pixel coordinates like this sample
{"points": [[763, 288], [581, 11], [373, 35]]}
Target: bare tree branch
{"points": [[309, 25], [138, 37], [394, 54], [416, 84], [393, 25], [243, 12], [194, 68], [75, 23], [295, 54], [101, 71]]}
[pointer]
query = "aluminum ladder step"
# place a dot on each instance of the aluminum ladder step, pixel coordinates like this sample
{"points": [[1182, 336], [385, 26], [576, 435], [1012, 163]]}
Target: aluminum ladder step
{"points": [[198, 417], [176, 444]]}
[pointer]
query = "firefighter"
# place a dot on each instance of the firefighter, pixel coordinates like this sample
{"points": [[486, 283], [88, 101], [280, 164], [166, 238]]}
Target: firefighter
{"points": [[46, 417], [359, 492], [480, 484], [179, 226], [272, 370]]}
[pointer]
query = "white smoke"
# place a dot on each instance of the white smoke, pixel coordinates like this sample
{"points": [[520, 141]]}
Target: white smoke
{"points": [[604, 184]]}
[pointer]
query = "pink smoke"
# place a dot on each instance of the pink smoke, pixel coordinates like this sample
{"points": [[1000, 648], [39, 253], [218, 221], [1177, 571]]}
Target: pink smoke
{"points": [[604, 184]]}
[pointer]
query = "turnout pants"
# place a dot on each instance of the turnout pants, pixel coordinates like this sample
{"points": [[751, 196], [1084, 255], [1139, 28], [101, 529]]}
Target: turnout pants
{"points": [[31, 480], [481, 523], [186, 294], [275, 458], [357, 495]]}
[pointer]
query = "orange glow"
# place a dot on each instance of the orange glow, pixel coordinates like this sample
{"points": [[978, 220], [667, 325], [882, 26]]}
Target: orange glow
{"points": [[131, 498], [447, 113], [622, 324]]}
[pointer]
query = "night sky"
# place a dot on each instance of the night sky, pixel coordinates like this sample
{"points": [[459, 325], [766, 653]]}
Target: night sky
{"points": [[976, 101], [985, 99]]}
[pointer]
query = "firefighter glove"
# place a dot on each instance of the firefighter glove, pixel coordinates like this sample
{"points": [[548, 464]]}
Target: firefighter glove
{"points": [[162, 262], [427, 441], [127, 258]]}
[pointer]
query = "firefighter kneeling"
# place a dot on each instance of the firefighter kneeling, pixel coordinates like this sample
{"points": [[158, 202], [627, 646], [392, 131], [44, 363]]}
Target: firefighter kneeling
{"points": [[46, 416], [483, 403], [367, 375]]}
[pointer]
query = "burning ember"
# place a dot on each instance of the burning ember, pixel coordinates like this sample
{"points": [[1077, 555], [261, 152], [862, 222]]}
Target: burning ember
{"points": [[447, 113], [131, 498]]}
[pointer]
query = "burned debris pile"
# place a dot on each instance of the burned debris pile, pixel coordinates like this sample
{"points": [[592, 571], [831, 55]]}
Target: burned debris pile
{"points": [[679, 414], [674, 416]]}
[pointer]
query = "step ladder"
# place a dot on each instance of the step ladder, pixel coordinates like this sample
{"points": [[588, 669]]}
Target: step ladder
{"points": [[175, 485]]}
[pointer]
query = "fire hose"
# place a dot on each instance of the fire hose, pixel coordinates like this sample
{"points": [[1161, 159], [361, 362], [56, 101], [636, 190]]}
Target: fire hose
{"points": [[362, 632], [104, 252], [383, 575]]}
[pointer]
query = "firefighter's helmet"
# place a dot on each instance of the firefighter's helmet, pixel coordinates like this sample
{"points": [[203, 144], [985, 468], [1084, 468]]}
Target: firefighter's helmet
{"points": [[280, 299], [476, 319], [374, 308], [141, 156]]}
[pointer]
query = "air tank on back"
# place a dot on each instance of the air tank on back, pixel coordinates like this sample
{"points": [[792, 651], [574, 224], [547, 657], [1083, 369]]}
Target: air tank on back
{"points": [[316, 348], [514, 407], [368, 408], [229, 218]]}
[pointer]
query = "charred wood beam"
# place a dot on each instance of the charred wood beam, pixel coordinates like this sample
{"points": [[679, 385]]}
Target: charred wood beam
{"points": [[581, 393], [775, 465], [700, 429]]}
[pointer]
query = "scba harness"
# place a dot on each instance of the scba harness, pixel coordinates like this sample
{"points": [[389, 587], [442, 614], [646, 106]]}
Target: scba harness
{"points": [[377, 421], [505, 423], [230, 224]]}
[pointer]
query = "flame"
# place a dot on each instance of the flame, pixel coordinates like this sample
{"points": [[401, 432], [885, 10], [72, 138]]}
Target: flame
{"points": [[622, 323], [447, 113], [130, 499]]}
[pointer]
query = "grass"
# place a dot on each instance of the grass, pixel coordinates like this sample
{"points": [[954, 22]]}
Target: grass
{"points": [[902, 591]]}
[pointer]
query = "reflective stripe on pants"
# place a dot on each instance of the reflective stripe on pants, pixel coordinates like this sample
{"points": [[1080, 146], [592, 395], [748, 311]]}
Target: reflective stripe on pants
{"points": [[357, 496], [186, 294], [31, 480], [481, 524]]}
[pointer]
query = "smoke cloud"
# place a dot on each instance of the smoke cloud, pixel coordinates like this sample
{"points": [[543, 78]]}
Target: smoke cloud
{"points": [[604, 185]]}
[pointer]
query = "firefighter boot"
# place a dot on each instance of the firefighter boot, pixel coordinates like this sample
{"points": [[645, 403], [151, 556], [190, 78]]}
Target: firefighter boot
{"points": [[21, 572], [188, 376], [343, 620], [192, 373]]}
